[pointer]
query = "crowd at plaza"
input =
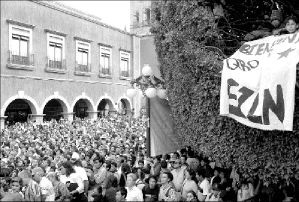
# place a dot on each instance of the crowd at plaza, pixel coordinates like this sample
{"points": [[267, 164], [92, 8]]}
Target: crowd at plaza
{"points": [[105, 160]]}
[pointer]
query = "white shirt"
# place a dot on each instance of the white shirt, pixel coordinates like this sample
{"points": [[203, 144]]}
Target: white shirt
{"points": [[47, 189], [205, 186], [81, 172], [134, 194], [73, 178], [178, 178]]}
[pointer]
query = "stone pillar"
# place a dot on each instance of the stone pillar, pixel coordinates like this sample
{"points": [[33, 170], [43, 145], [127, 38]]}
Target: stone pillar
{"points": [[37, 118], [93, 115], [69, 116], [2, 122]]}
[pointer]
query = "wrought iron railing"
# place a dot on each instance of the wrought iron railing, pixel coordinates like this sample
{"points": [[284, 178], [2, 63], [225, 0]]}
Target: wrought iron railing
{"points": [[82, 68], [20, 60], [124, 73], [105, 71], [54, 64]]}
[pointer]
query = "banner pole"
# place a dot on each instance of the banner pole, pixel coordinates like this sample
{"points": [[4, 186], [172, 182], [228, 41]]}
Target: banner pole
{"points": [[148, 132]]}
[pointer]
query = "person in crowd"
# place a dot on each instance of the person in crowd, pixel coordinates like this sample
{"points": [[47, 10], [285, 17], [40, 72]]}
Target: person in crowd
{"points": [[16, 186], [246, 191], [110, 187], [190, 183], [99, 169], [151, 189], [97, 195], [216, 176], [47, 189], [214, 195], [178, 176], [121, 194], [156, 168], [191, 196], [134, 193], [60, 189], [167, 192], [203, 185], [73, 182], [75, 160], [291, 26], [32, 191], [140, 178]]}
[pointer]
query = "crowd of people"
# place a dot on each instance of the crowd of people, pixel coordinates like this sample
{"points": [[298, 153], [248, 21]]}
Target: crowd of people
{"points": [[105, 160]]}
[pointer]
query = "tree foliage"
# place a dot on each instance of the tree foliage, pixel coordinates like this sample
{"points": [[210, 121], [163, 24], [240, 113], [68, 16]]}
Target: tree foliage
{"points": [[191, 45]]}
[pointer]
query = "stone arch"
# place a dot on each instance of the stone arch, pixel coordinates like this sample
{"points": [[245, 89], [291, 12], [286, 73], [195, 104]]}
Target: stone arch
{"points": [[124, 105], [29, 100], [105, 105], [65, 107], [88, 106]]}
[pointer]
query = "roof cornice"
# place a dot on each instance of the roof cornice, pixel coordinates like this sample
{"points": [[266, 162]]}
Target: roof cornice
{"points": [[76, 13]]}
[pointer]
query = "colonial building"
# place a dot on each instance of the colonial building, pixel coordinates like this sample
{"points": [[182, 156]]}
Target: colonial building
{"points": [[59, 62]]}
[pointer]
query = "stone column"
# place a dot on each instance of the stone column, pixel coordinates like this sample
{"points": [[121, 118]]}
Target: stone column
{"points": [[69, 116], [37, 118], [2, 122], [93, 115]]}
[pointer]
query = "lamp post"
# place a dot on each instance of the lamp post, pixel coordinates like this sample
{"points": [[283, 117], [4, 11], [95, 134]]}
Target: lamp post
{"points": [[151, 87]]}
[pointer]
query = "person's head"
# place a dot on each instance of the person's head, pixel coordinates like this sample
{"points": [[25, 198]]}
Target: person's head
{"points": [[98, 162], [113, 167], [16, 184], [26, 176], [222, 174], [176, 164], [200, 175], [121, 194], [291, 24], [183, 159], [152, 181], [191, 196], [190, 174], [166, 177], [74, 158], [163, 164], [66, 168], [140, 163], [37, 174], [131, 180], [215, 188], [157, 159], [53, 177]]}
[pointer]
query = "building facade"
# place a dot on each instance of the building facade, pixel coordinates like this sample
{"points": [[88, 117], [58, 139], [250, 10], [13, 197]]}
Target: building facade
{"points": [[59, 62]]}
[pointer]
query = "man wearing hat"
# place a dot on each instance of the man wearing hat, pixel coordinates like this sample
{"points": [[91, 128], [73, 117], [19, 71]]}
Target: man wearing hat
{"points": [[75, 159]]}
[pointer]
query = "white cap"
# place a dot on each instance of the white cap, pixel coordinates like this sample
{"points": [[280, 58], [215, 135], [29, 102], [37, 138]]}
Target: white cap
{"points": [[75, 156]]}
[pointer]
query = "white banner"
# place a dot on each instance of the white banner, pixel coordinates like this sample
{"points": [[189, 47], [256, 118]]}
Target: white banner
{"points": [[258, 83]]}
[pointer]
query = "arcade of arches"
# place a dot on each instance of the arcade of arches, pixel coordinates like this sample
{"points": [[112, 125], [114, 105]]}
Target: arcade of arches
{"points": [[20, 110]]}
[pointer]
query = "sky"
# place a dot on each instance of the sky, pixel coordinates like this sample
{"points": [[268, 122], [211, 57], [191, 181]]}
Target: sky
{"points": [[114, 13]]}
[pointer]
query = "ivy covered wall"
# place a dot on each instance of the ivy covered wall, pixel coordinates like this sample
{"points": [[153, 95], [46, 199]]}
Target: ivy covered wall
{"points": [[190, 52]]}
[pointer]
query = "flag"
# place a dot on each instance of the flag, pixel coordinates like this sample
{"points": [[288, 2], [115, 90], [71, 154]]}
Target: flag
{"points": [[163, 138], [258, 83]]}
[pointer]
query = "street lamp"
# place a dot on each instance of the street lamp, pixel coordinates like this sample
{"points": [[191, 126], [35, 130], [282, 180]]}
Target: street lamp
{"points": [[151, 87]]}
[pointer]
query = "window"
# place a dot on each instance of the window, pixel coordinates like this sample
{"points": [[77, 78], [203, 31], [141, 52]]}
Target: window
{"points": [[82, 56], [105, 61], [124, 64], [20, 46], [147, 15], [56, 56], [137, 17]]}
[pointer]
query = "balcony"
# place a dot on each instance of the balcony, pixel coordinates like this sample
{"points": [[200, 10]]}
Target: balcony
{"points": [[105, 72], [124, 75], [82, 70], [54, 66], [20, 62]]}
